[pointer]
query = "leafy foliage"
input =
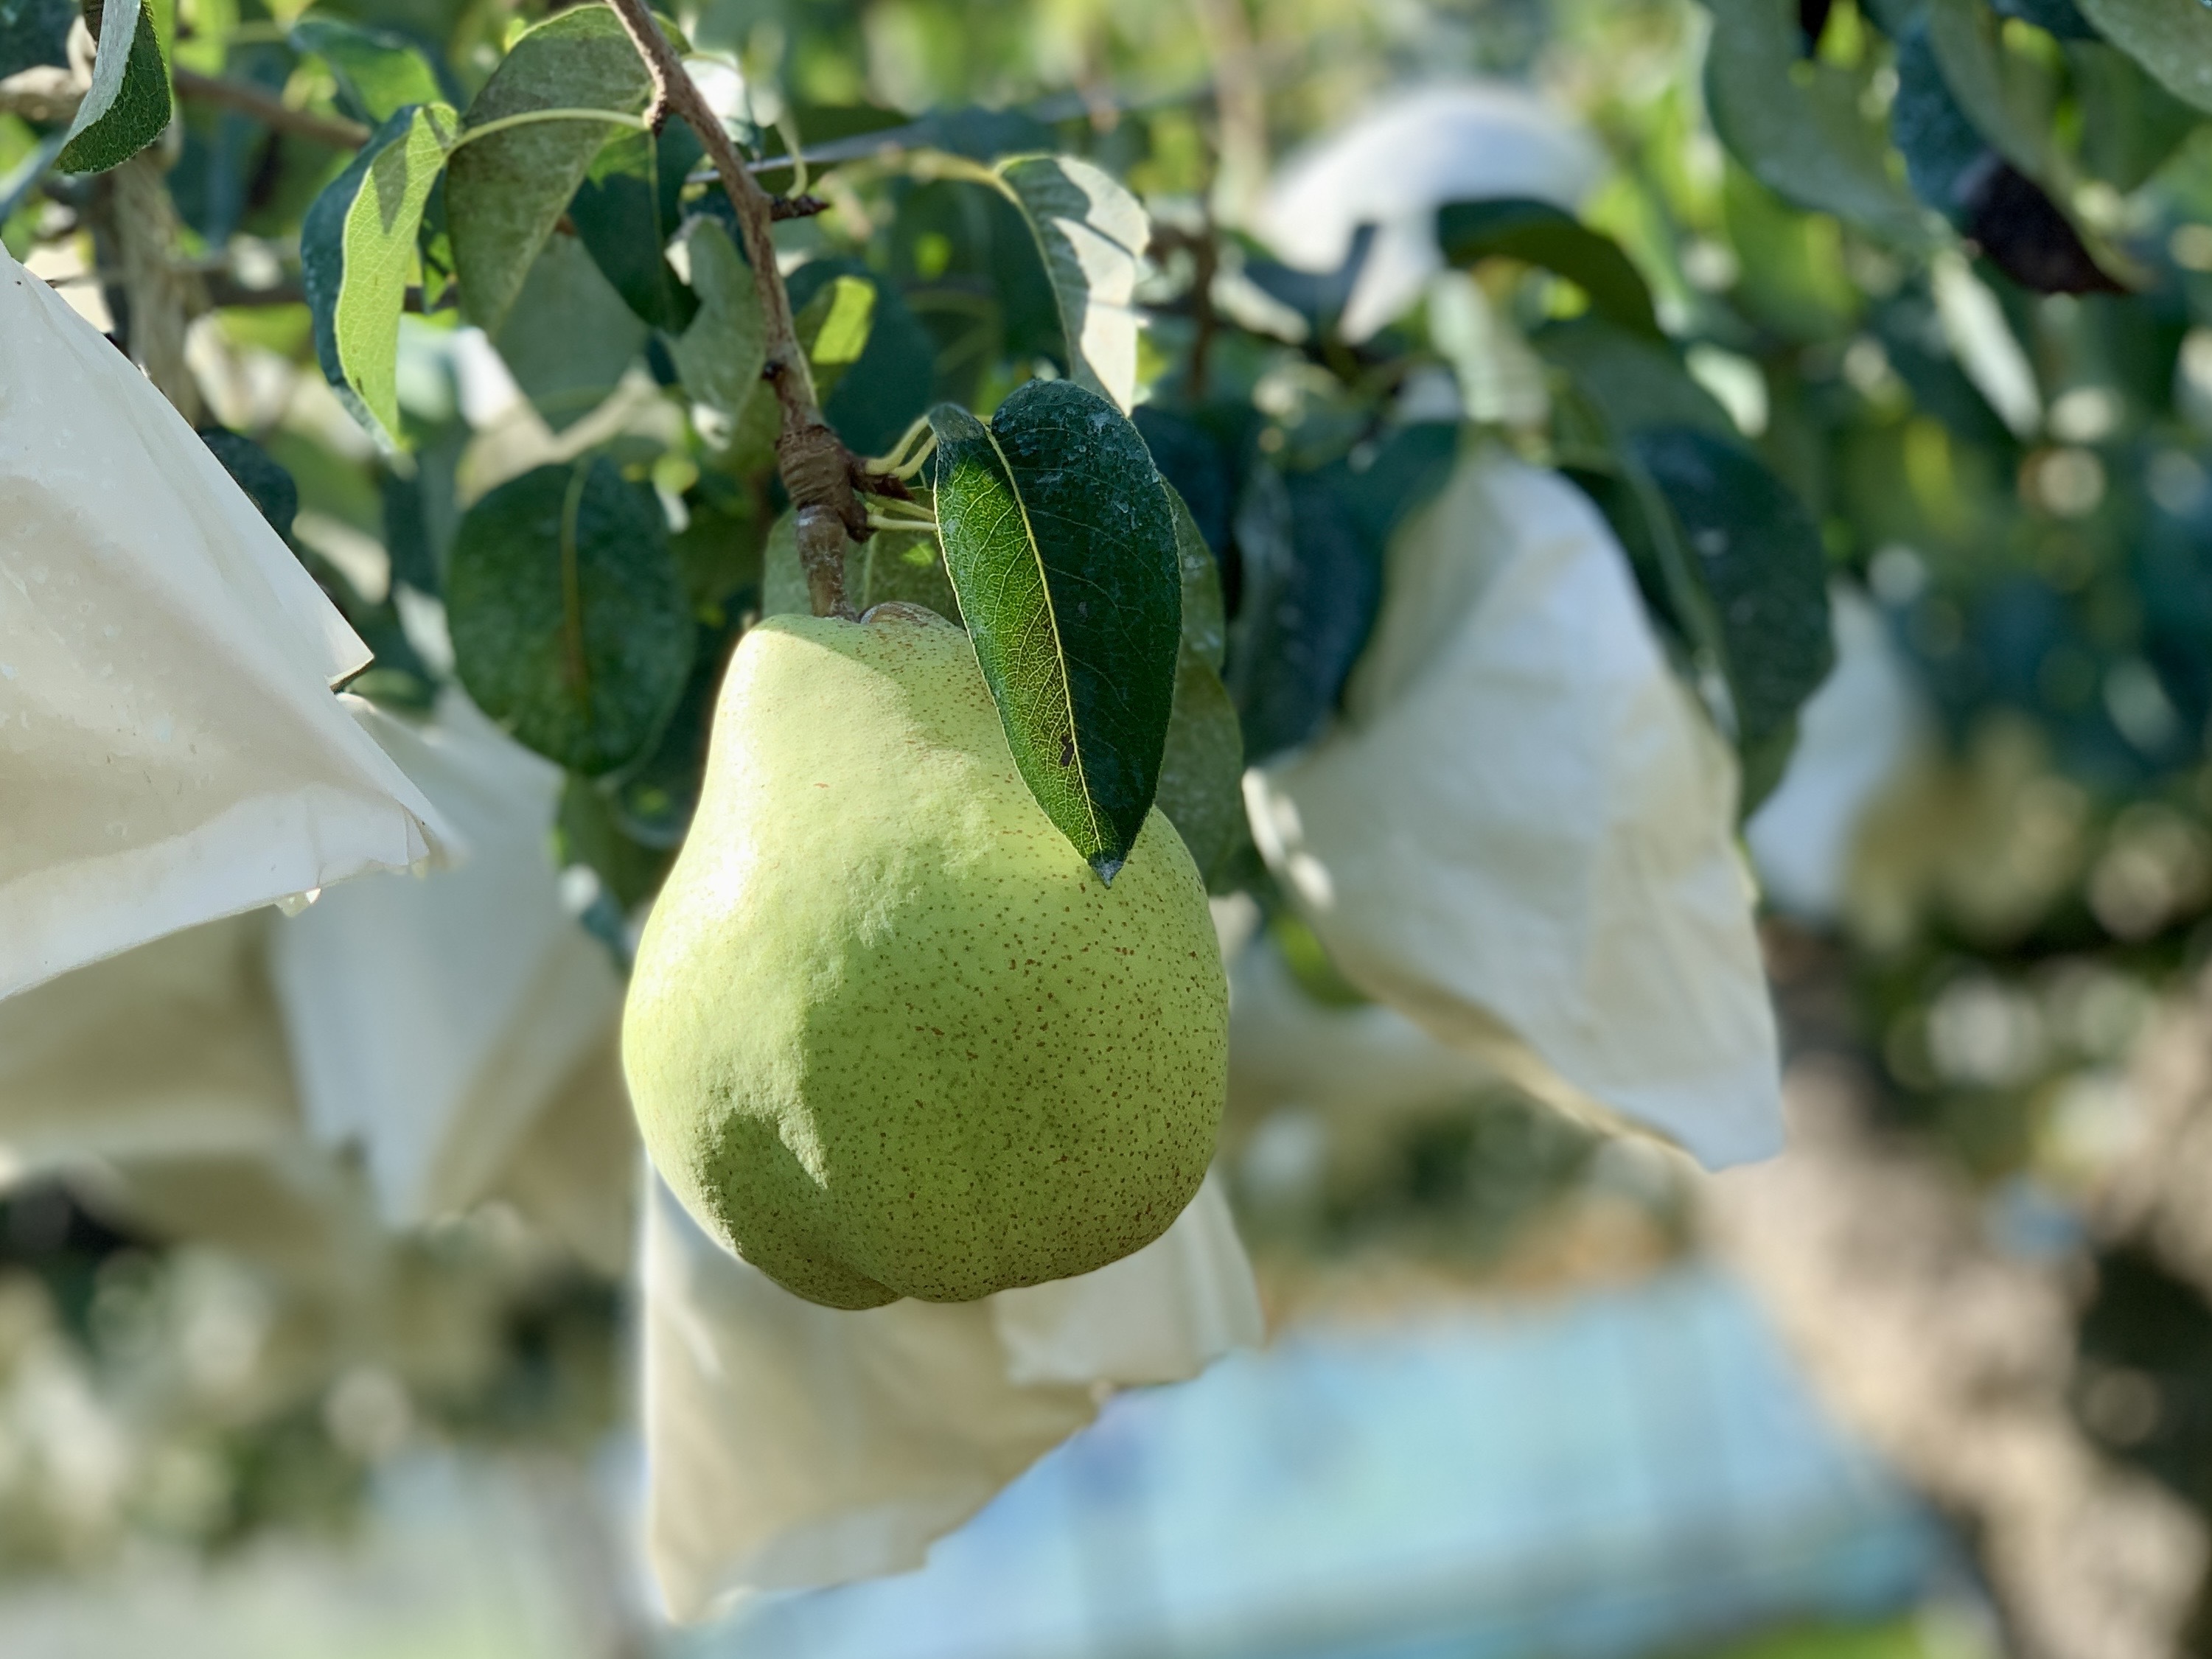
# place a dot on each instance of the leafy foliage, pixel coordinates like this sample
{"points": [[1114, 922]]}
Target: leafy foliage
{"points": [[127, 106]]}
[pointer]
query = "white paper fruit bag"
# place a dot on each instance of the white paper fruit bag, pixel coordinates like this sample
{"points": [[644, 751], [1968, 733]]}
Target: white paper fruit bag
{"points": [[170, 750], [1521, 833], [431, 1019], [790, 1446]]}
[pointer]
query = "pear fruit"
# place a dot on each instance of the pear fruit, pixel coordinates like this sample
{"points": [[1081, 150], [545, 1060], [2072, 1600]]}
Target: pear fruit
{"points": [[887, 1035]]}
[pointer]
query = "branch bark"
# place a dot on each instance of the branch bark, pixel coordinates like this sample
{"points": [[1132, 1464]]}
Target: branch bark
{"points": [[816, 468]]}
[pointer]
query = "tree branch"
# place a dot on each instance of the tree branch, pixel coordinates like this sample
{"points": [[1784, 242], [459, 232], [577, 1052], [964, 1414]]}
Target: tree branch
{"points": [[269, 110], [816, 468]]}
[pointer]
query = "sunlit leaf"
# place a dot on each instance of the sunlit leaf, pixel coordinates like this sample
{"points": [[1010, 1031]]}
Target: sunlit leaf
{"points": [[1093, 234], [1539, 234], [1062, 547], [379, 73], [127, 106]]}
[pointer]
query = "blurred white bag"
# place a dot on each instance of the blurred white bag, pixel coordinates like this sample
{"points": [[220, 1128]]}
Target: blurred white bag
{"points": [[175, 1049], [790, 1446], [1392, 168], [1855, 738], [170, 750], [1522, 833], [431, 1019]]}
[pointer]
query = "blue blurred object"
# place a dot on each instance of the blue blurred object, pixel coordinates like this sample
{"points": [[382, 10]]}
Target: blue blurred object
{"points": [[1620, 1473]]}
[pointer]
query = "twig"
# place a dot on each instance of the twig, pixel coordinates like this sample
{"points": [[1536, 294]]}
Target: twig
{"points": [[269, 110], [816, 469]]}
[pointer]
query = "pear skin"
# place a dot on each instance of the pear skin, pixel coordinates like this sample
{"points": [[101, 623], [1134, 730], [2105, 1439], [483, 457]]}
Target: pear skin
{"points": [[888, 1035]]}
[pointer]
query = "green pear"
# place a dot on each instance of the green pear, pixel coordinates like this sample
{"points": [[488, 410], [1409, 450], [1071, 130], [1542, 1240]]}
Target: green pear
{"points": [[888, 1036]]}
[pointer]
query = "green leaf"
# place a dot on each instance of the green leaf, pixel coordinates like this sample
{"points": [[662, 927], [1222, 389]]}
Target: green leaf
{"points": [[627, 208], [273, 491], [568, 336], [2010, 98], [127, 106], [379, 73], [1636, 382], [1062, 547], [1538, 234], [33, 33], [2172, 38], [1202, 765], [568, 621], [2129, 124], [1799, 125], [891, 385], [1093, 234], [719, 357], [507, 191], [834, 328], [890, 565], [356, 249]]}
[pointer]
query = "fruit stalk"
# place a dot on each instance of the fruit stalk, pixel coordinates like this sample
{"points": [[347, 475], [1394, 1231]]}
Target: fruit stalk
{"points": [[816, 469]]}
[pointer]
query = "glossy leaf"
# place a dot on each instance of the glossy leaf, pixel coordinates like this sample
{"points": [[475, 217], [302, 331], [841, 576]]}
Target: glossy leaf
{"points": [[1062, 549], [1539, 234], [127, 106], [1093, 234], [507, 191], [2172, 38], [1800, 128], [379, 73], [568, 621], [628, 208], [357, 251]]}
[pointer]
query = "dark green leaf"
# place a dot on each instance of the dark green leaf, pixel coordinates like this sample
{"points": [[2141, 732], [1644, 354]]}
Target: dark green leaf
{"points": [[2129, 124], [833, 329], [720, 353], [127, 107], [1313, 583], [1540, 235], [267, 485], [33, 33], [356, 250], [2172, 38], [379, 73], [507, 191], [1061, 546], [1192, 460], [889, 385], [1093, 234], [570, 624], [1800, 127], [627, 208], [2011, 99], [589, 831], [1201, 770], [1757, 555], [1636, 382], [568, 336]]}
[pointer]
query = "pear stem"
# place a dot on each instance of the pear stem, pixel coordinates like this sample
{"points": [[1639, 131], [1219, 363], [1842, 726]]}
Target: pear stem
{"points": [[816, 467]]}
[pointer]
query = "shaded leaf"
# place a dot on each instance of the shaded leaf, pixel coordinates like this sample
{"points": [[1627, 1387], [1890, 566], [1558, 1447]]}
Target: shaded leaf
{"points": [[891, 383], [1636, 382], [1204, 628], [568, 336], [1093, 234], [1192, 459], [1062, 547], [33, 33], [507, 191], [2011, 99], [628, 208], [1312, 586], [2026, 236], [379, 73], [1539, 234], [1799, 127], [1202, 766], [2129, 124], [127, 106], [2172, 38], [271, 489], [720, 356], [833, 329], [568, 622], [356, 249]]}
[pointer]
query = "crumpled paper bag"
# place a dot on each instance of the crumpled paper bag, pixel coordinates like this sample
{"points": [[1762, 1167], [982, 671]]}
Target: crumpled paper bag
{"points": [[1395, 167], [791, 1446], [170, 750], [1520, 835], [431, 1019], [1857, 735]]}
